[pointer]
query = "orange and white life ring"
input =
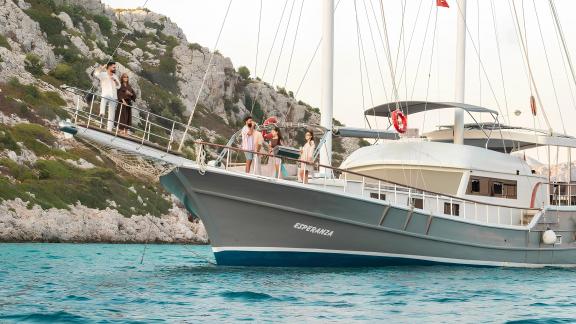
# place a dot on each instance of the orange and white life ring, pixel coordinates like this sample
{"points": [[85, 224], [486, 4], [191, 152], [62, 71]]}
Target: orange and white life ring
{"points": [[272, 120], [400, 121]]}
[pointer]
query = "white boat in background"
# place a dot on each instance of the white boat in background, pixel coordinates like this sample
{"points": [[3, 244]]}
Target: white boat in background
{"points": [[451, 196]]}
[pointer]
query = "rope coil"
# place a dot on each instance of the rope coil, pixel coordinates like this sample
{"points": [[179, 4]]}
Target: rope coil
{"points": [[201, 159]]}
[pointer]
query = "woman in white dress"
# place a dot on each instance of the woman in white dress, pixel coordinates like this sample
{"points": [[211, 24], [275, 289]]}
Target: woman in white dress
{"points": [[307, 154]]}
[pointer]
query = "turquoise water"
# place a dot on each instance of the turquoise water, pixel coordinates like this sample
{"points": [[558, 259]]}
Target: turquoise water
{"points": [[105, 283]]}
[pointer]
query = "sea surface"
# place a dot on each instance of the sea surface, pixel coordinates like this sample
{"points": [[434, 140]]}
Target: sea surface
{"points": [[111, 283]]}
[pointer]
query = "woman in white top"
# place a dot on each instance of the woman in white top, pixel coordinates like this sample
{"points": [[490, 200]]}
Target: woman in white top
{"points": [[307, 154]]}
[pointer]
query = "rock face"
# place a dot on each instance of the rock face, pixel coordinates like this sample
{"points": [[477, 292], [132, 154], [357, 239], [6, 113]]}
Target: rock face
{"points": [[82, 224], [137, 19], [25, 36]]}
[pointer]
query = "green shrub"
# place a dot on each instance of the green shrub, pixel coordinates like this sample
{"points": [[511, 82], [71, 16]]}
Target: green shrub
{"points": [[153, 25], [41, 11], [4, 42], [72, 74], [35, 137], [244, 72], [195, 47], [33, 64], [7, 141], [104, 23]]}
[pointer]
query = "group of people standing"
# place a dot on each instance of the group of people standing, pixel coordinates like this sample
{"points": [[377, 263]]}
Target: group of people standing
{"points": [[253, 143], [117, 95]]}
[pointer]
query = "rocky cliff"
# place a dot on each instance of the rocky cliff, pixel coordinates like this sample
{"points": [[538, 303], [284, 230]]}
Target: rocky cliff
{"points": [[47, 43]]}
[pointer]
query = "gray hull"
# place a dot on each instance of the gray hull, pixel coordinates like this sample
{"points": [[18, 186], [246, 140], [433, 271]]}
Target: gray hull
{"points": [[261, 222]]}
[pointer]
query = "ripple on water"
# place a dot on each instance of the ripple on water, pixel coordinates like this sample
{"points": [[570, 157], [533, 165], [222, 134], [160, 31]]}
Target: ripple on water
{"points": [[78, 298], [55, 317], [246, 295]]}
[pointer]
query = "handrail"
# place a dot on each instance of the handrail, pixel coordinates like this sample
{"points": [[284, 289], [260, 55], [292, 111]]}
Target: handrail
{"points": [[74, 90], [363, 175]]}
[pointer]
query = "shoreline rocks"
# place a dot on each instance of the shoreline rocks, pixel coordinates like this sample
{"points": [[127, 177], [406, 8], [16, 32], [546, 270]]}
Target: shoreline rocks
{"points": [[81, 224]]}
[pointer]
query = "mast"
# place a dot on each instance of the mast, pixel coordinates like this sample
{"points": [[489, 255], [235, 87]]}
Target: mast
{"points": [[327, 87], [460, 79]]}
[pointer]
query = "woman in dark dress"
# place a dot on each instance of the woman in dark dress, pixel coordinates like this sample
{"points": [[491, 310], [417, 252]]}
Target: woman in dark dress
{"points": [[126, 97]]}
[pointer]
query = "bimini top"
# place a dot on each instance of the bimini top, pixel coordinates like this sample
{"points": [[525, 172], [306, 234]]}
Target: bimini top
{"points": [[412, 107]]}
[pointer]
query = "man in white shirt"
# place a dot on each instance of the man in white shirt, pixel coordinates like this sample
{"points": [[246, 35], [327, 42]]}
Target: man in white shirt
{"points": [[109, 84]]}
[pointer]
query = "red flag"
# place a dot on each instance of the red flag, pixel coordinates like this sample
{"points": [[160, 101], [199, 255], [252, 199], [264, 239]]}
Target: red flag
{"points": [[442, 3]]}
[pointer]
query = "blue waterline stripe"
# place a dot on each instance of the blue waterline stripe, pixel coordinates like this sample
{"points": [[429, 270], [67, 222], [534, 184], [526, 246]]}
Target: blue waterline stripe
{"points": [[312, 259]]}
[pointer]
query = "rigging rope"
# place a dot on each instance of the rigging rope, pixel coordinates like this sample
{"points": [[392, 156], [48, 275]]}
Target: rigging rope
{"points": [[258, 40], [565, 70], [403, 72], [293, 44], [533, 82], [312, 59], [422, 50], [479, 59], [549, 67], [255, 99], [283, 41], [389, 55], [492, 9], [561, 35], [204, 77], [359, 60]]}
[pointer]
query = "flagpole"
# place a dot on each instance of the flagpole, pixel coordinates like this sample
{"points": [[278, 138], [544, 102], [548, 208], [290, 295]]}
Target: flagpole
{"points": [[460, 79], [327, 86]]}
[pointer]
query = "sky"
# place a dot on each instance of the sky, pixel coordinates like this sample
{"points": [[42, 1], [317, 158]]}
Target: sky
{"points": [[422, 42]]}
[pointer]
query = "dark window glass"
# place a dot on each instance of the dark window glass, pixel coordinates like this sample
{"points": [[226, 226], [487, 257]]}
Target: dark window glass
{"points": [[497, 188], [475, 185], [375, 196], [451, 209], [417, 203]]}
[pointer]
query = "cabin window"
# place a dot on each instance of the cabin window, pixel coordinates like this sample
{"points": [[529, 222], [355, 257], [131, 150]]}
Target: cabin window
{"points": [[475, 186], [491, 187], [375, 196], [417, 202], [451, 209]]}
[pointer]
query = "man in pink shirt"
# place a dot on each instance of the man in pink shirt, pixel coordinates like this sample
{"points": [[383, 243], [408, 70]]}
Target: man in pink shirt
{"points": [[248, 141]]}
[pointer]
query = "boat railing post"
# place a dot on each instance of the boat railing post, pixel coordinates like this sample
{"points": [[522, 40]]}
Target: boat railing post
{"points": [[395, 194], [90, 113], [227, 159], [145, 127], [451, 206], [438, 204], [171, 140], [379, 189], [77, 108], [345, 181], [363, 185], [119, 117], [475, 211], [410, 197]]}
